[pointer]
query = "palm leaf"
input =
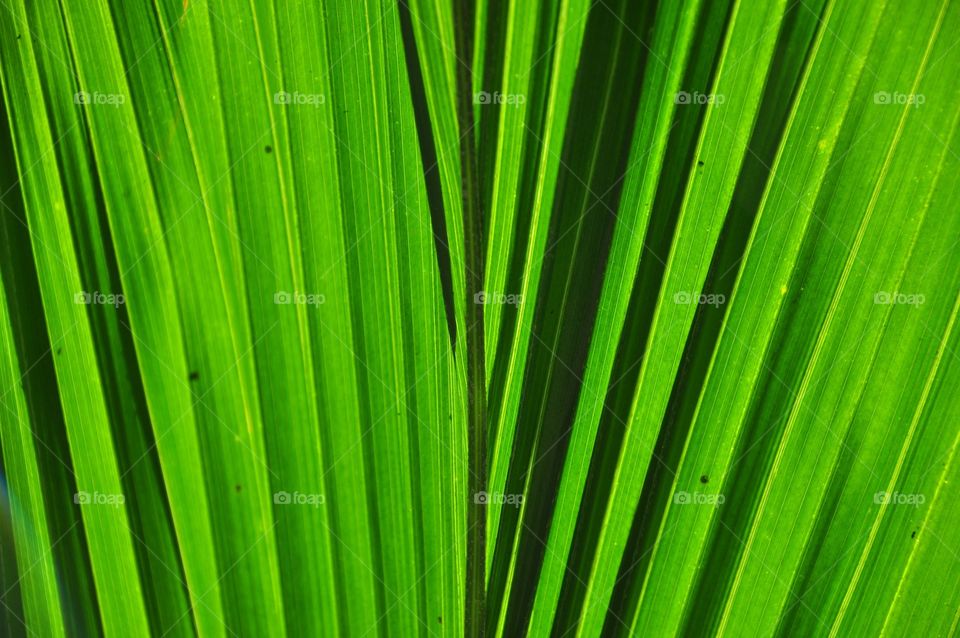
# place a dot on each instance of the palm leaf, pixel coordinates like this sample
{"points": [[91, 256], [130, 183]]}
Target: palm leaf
{"points": [[463, 318]]}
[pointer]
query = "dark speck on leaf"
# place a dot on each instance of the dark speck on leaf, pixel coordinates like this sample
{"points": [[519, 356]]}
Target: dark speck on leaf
{"points": [[59, 350], [699, 163], [194, 375], [704, 479], [268, 149], [914, 534], [440, 619], [238, 487]]}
